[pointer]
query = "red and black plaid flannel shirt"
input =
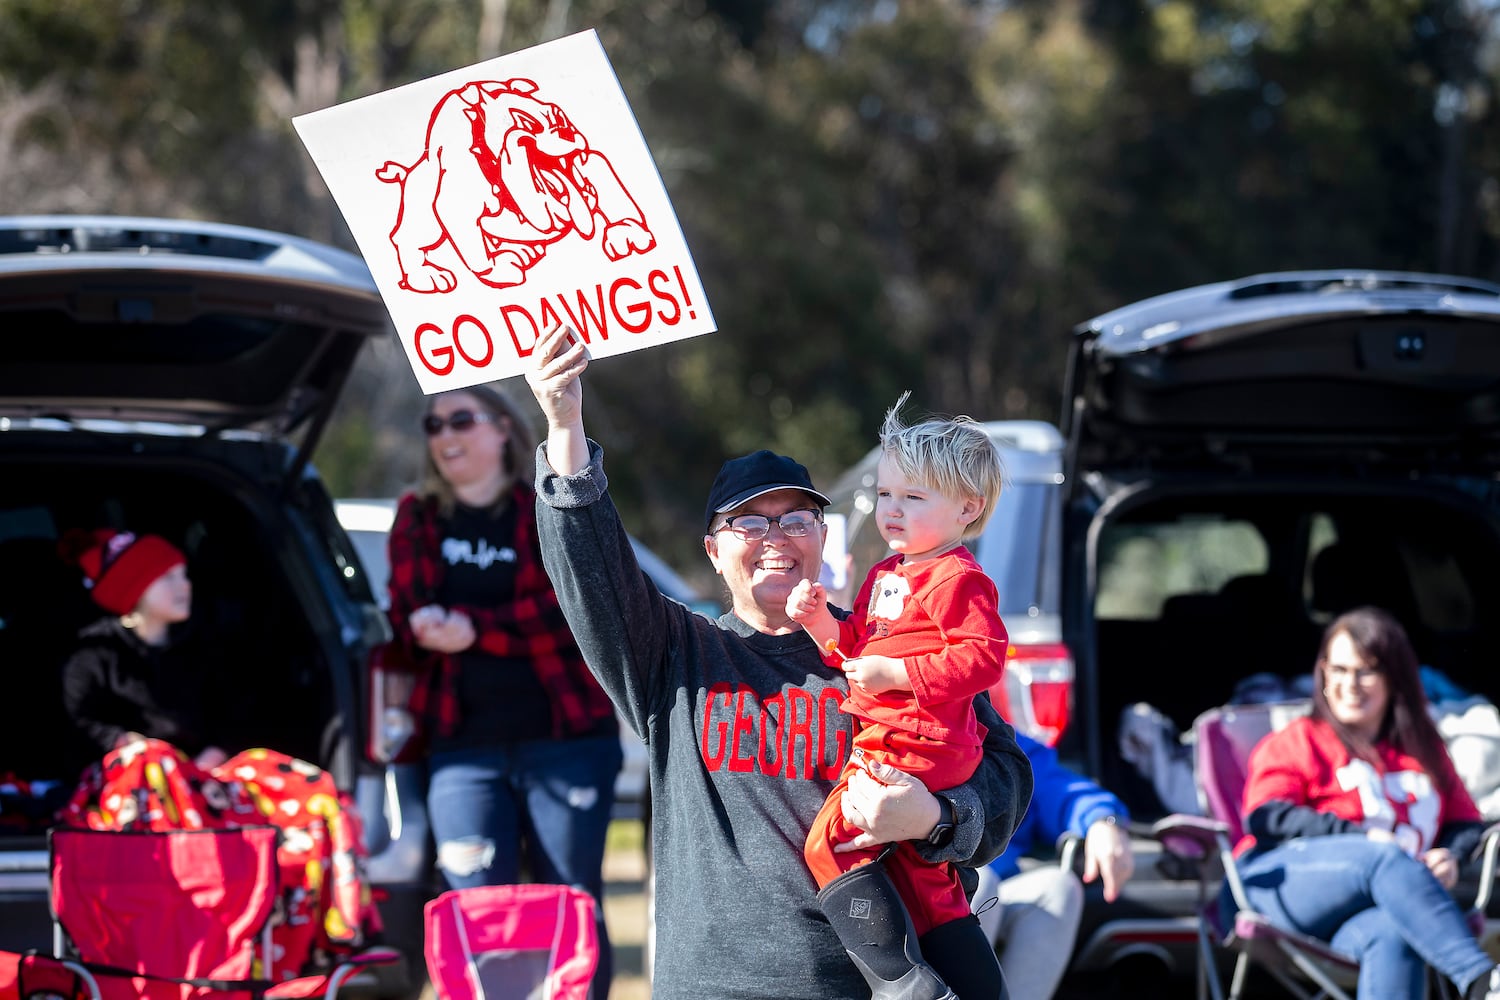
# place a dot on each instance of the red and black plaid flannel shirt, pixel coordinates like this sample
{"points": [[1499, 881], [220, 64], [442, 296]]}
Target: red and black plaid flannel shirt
{"points": [[531, 627]]}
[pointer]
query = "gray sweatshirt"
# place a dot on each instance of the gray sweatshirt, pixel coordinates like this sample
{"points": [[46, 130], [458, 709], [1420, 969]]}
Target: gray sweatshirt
{"points": [[745, 741]]}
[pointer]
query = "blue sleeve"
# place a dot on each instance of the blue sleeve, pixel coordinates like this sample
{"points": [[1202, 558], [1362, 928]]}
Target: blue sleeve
{"points": [[1062, 801]]}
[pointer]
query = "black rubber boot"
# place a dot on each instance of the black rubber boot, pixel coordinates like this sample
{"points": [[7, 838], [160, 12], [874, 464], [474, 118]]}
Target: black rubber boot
{"points": [[872, 923]]}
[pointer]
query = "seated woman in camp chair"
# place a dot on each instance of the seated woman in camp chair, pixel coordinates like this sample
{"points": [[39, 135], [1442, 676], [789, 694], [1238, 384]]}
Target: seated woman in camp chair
{"points": [[1357, 823]]}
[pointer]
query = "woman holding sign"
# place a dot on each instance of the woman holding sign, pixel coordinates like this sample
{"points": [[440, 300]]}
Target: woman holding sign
{"points": [[741, 720], [522, 743]]}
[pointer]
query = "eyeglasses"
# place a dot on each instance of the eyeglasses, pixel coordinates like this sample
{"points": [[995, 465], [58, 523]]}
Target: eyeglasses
{"points": [[754, 527], [1362, 676], [459, 420]]}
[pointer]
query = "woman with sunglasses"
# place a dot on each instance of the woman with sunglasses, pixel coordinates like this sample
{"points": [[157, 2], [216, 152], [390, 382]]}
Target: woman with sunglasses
{"points": [[522, 744], [1357, 820]]}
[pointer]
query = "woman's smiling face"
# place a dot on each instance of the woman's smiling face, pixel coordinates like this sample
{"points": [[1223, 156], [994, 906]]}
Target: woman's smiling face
{"points": [[474, 454], [1357, 692]]}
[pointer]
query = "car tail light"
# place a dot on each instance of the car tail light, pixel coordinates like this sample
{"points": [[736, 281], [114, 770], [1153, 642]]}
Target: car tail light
{"points": [[1036, 693]]}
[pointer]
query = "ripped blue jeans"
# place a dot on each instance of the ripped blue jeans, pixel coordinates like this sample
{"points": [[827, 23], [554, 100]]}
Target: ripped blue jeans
{"points": [[551, 799]]}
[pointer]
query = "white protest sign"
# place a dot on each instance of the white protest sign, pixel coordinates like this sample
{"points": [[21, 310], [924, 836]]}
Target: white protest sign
{"points": [[496, 201]]}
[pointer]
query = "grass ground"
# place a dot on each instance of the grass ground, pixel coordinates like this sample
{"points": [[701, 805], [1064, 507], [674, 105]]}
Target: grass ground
{"points": [[625, 907]]}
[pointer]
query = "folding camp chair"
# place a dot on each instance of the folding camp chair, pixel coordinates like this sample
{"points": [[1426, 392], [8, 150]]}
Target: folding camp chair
{"points": [[27, 976], [1305, 966], [512, 942], [177, 914]]}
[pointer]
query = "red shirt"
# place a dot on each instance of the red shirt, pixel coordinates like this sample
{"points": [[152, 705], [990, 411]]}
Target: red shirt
{"points": [[1306, 764], [941, 616]]}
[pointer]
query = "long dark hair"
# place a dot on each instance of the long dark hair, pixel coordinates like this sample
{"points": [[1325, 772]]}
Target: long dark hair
{"points": [[1383, 644]]}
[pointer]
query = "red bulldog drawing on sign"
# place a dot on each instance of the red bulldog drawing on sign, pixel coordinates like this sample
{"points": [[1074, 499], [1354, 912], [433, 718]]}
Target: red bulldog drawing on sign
{"points": [[503, 176]]}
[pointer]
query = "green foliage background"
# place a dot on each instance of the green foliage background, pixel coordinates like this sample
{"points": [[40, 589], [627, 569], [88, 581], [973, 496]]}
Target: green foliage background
{"points": [[880, 195]]}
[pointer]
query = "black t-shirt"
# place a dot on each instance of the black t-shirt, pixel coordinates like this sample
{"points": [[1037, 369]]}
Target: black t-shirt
{"points": [[501, 700]]}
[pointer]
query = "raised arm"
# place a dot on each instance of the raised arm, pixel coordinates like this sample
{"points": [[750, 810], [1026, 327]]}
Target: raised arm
{"points": [[626, 629], [558, 360]]}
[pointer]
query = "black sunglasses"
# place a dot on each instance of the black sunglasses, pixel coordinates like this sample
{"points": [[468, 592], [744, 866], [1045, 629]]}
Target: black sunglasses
{"points": [[459, 420]]}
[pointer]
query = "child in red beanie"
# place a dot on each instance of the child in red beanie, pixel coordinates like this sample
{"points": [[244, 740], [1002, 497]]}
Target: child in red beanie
{"points": [[126, 680]]}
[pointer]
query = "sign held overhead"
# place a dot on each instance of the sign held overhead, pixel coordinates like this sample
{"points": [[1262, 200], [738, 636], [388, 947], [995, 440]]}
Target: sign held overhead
{"points": [[495, 201]]}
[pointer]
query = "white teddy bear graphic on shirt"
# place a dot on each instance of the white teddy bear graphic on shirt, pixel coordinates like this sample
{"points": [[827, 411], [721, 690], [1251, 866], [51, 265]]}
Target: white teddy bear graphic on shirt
{"points": [[891, 592]]}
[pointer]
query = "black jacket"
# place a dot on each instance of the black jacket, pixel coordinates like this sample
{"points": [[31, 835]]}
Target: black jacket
{"points": [[114, 683]]}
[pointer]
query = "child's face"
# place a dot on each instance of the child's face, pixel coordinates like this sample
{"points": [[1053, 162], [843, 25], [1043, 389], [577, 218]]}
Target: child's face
{"points": [[916, 520], [169, 598]]}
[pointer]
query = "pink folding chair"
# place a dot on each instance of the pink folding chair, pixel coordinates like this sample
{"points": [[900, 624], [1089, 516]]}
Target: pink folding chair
{"points": [[512, 942]]}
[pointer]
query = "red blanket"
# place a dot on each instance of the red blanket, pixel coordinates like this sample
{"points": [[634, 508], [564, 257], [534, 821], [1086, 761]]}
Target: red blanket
{"points": [[325, 903]]}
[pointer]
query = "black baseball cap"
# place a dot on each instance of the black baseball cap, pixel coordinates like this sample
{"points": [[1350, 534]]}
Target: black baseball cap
{"points": [[741, 480]]}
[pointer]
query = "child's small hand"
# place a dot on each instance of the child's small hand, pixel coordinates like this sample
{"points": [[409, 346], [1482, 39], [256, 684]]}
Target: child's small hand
{"points": [[877, 674], [806, 601]]}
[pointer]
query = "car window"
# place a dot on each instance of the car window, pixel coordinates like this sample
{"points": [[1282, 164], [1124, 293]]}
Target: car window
{"points": [[1011, 549], [1421, 573], [1142, 565], [1445, 602]]}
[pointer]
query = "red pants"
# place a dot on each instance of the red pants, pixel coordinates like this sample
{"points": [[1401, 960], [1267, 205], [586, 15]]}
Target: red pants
{"points": [[931, 892]]}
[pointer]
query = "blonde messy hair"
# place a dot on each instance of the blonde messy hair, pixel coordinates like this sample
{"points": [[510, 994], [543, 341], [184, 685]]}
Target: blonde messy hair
{"points": [[953, 456]]}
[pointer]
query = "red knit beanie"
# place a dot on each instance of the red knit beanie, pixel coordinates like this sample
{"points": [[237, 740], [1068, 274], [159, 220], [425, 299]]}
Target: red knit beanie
{"points": [[119, 565]]}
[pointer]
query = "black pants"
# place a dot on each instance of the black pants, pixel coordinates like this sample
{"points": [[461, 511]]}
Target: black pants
{"points": [[960, 953]]}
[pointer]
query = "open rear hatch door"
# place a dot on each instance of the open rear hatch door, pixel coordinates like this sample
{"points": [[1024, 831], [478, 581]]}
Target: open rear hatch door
{"points": [[1282, 370], [205, 327]]}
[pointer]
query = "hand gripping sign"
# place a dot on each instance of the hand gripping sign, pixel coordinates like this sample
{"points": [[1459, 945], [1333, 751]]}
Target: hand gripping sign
{"points": [[493, 202]]}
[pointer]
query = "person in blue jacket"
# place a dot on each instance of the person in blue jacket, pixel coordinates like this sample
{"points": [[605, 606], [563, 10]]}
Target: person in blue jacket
{"points": [[1032, 916]]}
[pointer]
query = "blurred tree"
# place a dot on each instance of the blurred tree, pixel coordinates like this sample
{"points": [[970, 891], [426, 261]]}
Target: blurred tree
{"points": [[111, 101], [879, 195], [946, 115], [1273, 135], [803, 354]]}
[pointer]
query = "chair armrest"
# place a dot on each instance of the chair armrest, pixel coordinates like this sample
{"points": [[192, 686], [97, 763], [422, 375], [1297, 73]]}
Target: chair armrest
{"points": [[1489, 852], [1191, 838], [327, 985], [84, 975], [1068, 847]]}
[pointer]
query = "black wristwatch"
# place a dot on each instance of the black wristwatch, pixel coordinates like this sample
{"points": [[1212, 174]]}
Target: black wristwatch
{"points": [[942, 834]]}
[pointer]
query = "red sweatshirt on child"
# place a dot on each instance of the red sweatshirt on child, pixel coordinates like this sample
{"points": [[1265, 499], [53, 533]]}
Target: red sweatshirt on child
{"points": [[940, 616]]}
